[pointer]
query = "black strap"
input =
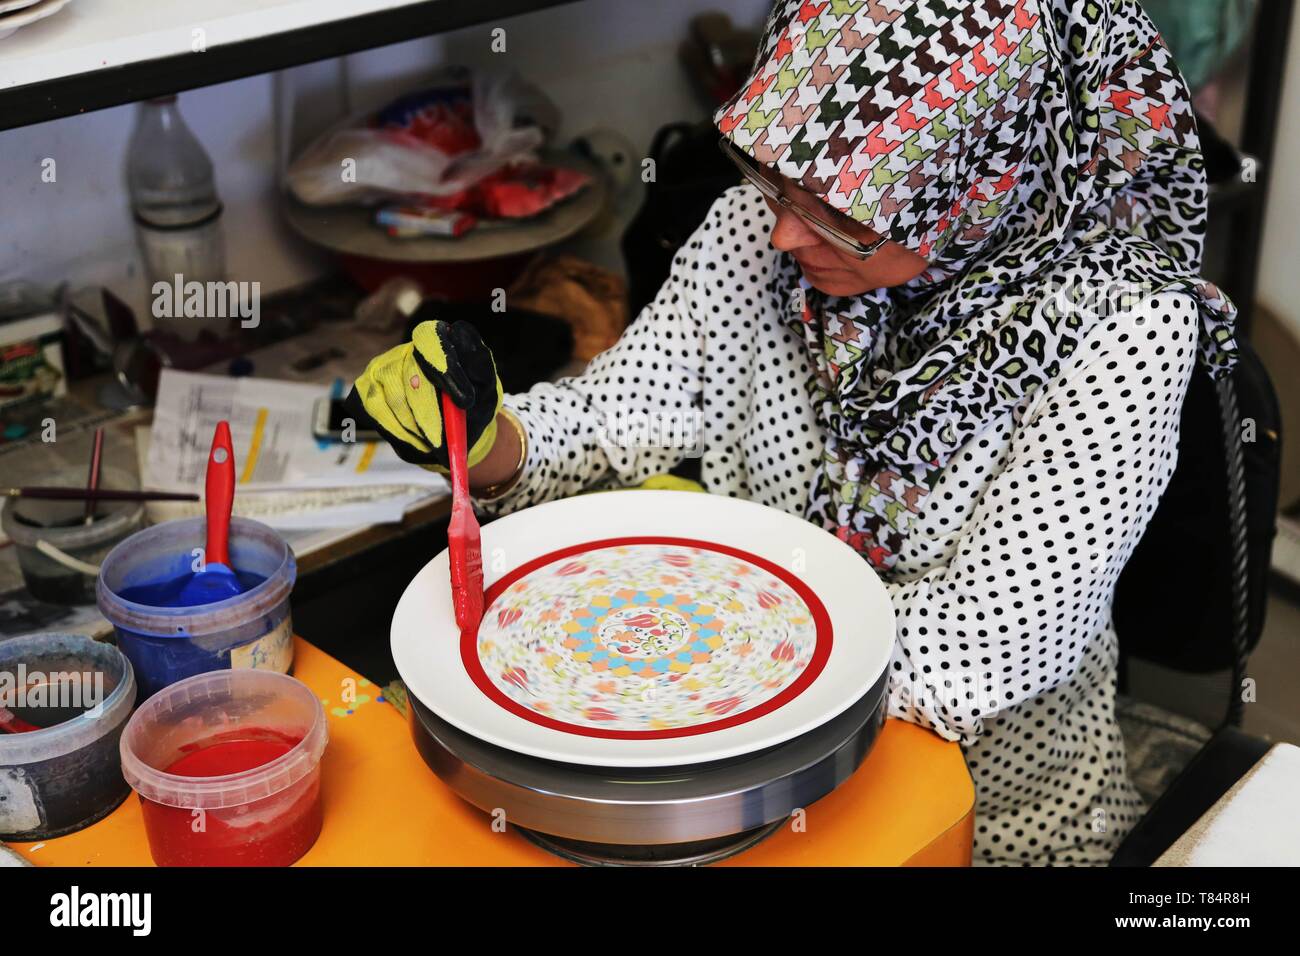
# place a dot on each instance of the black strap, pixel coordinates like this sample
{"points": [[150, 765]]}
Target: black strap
{"points": [[1234, 459]]}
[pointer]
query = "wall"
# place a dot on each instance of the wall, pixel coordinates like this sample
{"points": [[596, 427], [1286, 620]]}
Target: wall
{"points": [[604, 62], [1279, 280]]}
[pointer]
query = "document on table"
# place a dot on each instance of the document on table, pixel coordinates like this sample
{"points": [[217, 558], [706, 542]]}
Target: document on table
{"points": [[284, 476]]}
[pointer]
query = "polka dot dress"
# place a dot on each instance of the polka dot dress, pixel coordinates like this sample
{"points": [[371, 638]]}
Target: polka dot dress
{"points": [[1003, 592]]}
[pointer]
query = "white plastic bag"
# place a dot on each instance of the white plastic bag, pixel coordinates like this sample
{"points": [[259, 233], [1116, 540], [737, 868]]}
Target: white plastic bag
{"points": [[358, 163]]}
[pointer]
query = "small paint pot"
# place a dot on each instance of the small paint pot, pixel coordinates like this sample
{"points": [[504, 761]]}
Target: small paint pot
{"points": [[227, 766], [57, 551], [66, 773], [165, 644]]}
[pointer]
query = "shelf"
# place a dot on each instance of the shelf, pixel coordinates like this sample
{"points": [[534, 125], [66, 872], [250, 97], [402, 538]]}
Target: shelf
{"points": [[93, 54]]}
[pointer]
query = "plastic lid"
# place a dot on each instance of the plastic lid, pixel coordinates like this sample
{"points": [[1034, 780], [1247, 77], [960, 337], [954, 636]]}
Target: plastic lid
{"points": [[217, 702]]}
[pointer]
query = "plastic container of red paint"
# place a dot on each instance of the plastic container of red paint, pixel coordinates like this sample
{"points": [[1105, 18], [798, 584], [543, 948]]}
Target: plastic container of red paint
{"points": [[227, 766]]}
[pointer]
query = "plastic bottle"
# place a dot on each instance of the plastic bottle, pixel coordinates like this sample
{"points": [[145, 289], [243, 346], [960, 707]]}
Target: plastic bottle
{"points": [[177, 211]]}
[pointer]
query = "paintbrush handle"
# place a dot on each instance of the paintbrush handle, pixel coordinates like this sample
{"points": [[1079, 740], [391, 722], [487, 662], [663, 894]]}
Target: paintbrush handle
{"points": [[92, 478], [52, 493], [463, 542], [220, 495]]}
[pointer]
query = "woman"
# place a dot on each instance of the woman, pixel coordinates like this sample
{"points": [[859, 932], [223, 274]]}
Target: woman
{"points": [[951, 317]]}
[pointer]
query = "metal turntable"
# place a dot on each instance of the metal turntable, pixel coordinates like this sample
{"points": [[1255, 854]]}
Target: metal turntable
{"points": [[652, 816]]}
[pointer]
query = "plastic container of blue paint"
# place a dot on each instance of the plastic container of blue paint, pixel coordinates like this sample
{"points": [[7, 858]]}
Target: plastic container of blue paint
{"points": [[167, 644], [71, 696]]}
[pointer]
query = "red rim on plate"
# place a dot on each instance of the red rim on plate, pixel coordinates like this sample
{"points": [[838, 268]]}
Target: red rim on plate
{"points": [[820, 654]]}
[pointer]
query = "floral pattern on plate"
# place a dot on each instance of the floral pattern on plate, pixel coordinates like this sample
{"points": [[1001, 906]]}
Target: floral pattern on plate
{"points": [[647, 638]]}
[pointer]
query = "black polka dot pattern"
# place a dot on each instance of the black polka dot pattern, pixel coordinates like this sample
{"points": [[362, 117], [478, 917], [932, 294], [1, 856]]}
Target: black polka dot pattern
{"points": [[1003, 592], [709, 344]]}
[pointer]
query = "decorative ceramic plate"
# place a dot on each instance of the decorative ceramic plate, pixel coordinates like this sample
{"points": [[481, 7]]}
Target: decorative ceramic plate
{"points": [[648, 628]]}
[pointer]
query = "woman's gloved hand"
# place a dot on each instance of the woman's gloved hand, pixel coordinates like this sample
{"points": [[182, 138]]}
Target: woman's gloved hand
{"points": [[399, 393]]}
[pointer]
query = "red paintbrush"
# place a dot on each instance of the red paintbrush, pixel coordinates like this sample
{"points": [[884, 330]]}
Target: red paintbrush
{"points": [[463, 542]]}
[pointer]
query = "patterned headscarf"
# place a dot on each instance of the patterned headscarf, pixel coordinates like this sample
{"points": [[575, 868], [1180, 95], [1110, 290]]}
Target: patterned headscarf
{"points": [[1030, 150]]}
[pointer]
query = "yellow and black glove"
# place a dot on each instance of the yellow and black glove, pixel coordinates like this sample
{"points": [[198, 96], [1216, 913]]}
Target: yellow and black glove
{"points": [[399, 393]]}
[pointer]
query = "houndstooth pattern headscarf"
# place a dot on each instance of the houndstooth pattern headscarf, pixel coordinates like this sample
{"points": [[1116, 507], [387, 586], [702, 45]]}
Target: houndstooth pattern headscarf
{"points": [[1030, 149]]}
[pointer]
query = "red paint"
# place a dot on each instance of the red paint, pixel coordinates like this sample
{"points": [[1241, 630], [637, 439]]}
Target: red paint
{"points": [[464, 544], [271, 831], [10, 724], [821, 652]]}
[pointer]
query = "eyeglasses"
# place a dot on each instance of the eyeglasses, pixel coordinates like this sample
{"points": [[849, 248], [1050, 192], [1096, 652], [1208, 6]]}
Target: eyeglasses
{"points": [[834, 235]]}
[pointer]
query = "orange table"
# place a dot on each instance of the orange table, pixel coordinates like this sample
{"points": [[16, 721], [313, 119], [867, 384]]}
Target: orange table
{"points": [[911, 802]]}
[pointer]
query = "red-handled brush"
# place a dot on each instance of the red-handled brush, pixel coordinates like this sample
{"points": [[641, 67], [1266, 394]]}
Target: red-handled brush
{"points": [[464, 545], [217, 581]]}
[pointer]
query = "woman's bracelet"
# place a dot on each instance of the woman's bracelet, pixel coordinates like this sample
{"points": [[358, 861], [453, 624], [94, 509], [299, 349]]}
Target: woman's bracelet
{"points": [[500, 488]]}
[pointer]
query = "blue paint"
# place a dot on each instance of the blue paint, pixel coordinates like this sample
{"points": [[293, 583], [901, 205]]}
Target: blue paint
{"points": [[166, 639], [169, 592]]}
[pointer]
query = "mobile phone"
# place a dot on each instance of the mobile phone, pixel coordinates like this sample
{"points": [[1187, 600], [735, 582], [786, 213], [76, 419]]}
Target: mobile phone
{"points": [[329, 418]]}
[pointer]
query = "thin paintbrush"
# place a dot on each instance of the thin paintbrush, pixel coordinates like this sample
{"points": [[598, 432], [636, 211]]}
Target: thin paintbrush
{"points": [[92, 480], [98, 494]]}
